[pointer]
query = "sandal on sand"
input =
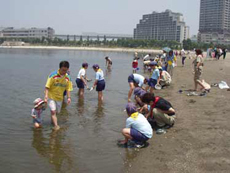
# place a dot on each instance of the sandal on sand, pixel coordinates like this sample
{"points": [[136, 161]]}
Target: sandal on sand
{"points": [[160, 131]]}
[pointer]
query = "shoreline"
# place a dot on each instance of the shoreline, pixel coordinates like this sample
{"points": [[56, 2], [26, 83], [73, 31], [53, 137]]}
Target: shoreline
{"points": [[86, 48]]}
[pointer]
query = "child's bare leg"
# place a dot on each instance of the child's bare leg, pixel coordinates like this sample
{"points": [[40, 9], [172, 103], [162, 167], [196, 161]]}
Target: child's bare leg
{"points": [[126, 133], [81, 92], [100, 96]]}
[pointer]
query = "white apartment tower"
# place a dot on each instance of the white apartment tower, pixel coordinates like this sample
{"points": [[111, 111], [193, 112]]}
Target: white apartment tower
{"points": [[162, 26]]}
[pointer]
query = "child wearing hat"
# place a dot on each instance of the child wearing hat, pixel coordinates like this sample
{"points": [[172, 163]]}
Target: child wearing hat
{"points": [[138, 93], [99, 82], [137, 127], [39, 107]]}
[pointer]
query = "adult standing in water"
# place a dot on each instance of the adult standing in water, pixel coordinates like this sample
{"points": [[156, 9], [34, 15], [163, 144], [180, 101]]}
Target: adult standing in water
{"points": [[108, 62], [99, 81], [56, 84], [81, 80]]}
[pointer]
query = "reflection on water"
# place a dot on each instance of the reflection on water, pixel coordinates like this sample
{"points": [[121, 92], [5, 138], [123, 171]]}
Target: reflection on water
{"points": [[99, 110], [108, 72], [86, 140], [52, 147], [80, 106]]}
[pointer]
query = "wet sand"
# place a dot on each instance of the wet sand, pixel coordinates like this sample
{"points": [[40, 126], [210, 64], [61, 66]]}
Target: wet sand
{"points": [[199, 141]]}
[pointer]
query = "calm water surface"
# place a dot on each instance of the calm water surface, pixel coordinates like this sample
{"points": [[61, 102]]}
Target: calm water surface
{"points": [[88, 135]]}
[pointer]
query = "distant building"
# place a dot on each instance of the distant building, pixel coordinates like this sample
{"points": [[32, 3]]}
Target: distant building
{"points": [[162, 26], [14, 43], [214, 21], [186, 32], [11, 32]]}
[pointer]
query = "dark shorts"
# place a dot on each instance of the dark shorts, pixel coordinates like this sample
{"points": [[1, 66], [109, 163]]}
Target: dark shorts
{"points": [[80, 83], [131, 79], [100, 85], [137, 136], [152, 82], [36, 120]]}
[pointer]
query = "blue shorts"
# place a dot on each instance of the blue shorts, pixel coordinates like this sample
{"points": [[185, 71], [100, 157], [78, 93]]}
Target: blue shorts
{"points": [[80, 83], [131, 79], [138, 136], [100, 85], [152, 82], [37, 120]]}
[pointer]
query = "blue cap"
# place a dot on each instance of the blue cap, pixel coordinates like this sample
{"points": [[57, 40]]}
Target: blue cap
{"points": [[153, 63], [147, 80], [139, 91], [131, 108], [95, 66]]}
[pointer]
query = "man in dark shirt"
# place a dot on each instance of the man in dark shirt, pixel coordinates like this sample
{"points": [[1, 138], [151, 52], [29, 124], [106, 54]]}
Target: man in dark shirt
{"points": [[160, 110]]}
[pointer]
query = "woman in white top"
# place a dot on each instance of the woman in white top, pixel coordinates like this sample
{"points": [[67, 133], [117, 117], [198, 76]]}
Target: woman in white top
{"points": [[81, 80]]}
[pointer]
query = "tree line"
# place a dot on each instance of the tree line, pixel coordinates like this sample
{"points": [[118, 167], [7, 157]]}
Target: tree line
{"points": [[126, 43]]}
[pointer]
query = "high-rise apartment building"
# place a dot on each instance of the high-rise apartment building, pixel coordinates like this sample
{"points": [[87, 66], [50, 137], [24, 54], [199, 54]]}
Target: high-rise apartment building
{"points": [[11, 32], [214, 21], [162, 26]]}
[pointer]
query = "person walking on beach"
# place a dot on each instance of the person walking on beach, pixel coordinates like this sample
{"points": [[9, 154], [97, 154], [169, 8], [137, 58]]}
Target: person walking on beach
{"points": [[198, 69], [137, 129], [183, 55], [81, 80], [171, 62], [108, 62], [160, 110], [99, 81], [135, 80], [56, 84], [224, 52]]}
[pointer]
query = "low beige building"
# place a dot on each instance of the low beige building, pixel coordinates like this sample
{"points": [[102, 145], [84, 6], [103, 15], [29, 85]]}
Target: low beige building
{"points": [[14, 43]]}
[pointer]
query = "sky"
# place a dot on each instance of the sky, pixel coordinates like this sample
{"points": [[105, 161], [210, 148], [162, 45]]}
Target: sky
{"points": [[99, 16]]}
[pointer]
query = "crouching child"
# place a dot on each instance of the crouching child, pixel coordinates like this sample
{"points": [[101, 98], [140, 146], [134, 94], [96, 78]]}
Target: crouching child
{"points": [[137, 127], [39, 107]]}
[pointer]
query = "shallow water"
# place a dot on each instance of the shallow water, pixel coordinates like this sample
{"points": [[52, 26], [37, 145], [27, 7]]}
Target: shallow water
{"points": [[87, 139]]}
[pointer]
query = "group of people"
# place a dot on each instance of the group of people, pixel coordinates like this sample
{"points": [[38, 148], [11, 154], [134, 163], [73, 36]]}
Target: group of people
{"points": [[59, 85], [216, 53], [149, 108], [146, 109]]}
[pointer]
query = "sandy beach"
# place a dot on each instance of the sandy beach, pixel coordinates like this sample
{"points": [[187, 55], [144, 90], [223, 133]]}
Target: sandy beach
{"points": [[86, 48], [199, 141]]}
